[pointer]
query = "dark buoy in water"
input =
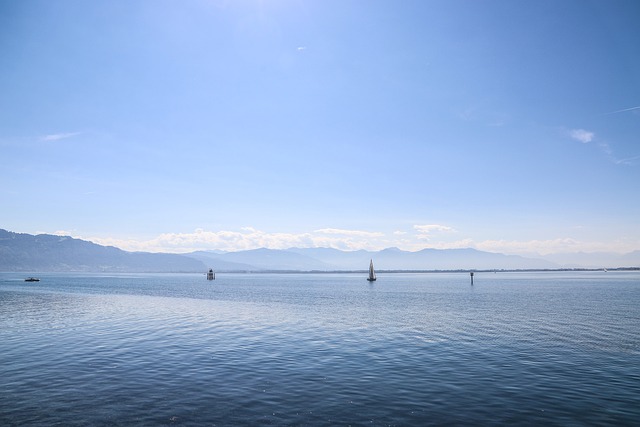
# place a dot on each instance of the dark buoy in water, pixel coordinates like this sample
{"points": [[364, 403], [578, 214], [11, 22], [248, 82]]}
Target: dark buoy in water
{"points": [[471, 274]]}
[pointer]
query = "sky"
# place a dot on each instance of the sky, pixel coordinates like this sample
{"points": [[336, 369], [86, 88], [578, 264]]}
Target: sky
{"points": [[155, 125]]}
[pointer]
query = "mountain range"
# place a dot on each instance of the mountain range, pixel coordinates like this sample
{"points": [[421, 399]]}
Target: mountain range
{"points": [[44, 252], [327, 259]]}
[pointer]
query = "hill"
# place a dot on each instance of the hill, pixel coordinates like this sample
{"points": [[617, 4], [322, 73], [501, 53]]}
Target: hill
{"points": [[595, 259], [327, 259], [44, 252]]}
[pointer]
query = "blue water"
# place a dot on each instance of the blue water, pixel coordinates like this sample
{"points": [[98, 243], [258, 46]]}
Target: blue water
{"points": [[321, 349]]}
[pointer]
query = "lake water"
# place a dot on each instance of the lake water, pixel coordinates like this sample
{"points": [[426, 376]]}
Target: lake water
{"points": [[554, 348]]}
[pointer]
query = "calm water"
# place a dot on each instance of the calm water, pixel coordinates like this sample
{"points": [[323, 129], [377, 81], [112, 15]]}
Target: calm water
{"points": [[326, 349]]}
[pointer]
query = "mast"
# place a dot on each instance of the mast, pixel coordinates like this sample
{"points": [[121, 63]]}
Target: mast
{"points": [[372, 273]]}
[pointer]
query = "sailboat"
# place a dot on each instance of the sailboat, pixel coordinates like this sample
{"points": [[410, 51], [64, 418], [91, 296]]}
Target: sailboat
{"points": [[372, 273]]}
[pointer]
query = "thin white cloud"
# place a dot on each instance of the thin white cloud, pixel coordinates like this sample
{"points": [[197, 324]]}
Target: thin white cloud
{"points": [[586, 137], [554, 246], [542, 247], [59, 136], [429, 228], [63, 232], [627, 161], [532, 248], [426, 231], [250, 238], [582, 135], [357, 233], [458, 244], [606, 148], [623, 110]]}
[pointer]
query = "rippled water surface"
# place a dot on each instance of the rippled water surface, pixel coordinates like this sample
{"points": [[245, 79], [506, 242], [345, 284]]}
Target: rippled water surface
{"points": [[321, 349]]}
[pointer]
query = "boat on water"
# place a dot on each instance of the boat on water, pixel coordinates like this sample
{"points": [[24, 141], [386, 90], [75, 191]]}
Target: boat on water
{"points": [[372, 273], [31, 279], [211, 275]]}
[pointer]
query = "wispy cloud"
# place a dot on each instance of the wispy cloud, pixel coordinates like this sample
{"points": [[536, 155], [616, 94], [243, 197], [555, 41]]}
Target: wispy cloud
{"points": [[351, 240], [627, 161], [342, 232], [542, 247], [60, 232], [426, 231], [586, 137], [59, 136], [582, 135], [251, 238], [623, 110], [553, 246], [533, 248], [606, 148]]}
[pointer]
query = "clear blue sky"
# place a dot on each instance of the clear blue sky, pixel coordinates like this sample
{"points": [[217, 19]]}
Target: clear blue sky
{"points": [[509, 126]]}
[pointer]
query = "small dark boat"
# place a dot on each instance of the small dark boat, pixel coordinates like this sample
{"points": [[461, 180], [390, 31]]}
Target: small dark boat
{"points": [[31, 279]]}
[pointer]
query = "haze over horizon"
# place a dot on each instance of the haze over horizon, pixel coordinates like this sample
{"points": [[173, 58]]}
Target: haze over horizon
{"points": [[165, 126]]}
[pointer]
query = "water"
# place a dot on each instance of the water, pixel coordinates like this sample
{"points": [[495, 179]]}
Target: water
{"points": [[326, 349]]}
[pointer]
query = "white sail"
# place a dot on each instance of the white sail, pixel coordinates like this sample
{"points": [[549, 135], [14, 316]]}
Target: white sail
{"points": [[372, 272]]}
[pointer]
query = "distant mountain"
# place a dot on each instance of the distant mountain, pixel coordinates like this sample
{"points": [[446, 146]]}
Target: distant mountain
{"points": [[262, 260], [336, 259], [44, 252], [631, 259], [214, 259], [25, 252], [426, 259], [595, 259], [327, 259]]}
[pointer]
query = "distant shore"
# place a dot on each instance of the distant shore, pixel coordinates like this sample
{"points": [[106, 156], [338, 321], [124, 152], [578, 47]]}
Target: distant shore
{"points": [[462, 270], [466, 271]]}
